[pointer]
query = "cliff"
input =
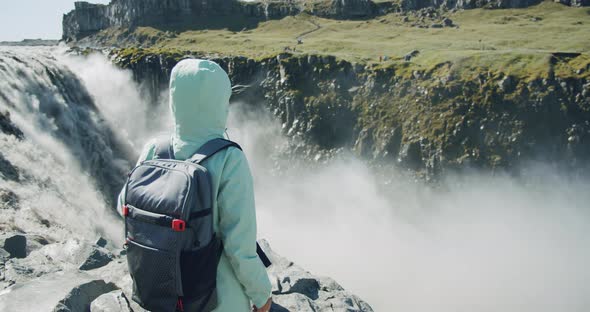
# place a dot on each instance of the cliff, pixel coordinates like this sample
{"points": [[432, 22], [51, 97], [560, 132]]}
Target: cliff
{"points": [[87, 19], [430, 120]]}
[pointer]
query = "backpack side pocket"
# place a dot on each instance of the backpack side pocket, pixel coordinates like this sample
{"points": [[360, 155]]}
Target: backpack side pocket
{"points": [[154, 286], [199, 269]]}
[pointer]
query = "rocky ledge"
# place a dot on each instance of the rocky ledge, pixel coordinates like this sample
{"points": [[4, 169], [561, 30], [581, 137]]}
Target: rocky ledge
{"points": [[76, 275]]}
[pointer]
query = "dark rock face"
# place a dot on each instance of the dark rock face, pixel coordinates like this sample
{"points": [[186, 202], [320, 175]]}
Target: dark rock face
{"points": [[467, 4], [8, 170], [97, 258], [7, 126], [16, 246], [81, 296], [351, 9]]}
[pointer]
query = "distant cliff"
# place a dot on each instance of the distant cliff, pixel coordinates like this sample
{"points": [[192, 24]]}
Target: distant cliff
{"points": [[87, 19]]}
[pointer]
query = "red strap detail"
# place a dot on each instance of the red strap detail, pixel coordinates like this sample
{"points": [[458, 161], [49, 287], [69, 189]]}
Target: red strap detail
{"points": [[178, 225], [125, 210], [179, 305]]}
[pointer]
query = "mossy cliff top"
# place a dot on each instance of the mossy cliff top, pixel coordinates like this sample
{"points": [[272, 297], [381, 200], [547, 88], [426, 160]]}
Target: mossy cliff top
{"points": [[519, 42]]}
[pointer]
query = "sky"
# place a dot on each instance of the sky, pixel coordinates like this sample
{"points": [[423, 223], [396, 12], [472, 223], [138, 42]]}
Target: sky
{"points": [[32, 19]]}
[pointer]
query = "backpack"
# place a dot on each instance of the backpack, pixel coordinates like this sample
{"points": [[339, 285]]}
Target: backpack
{"points": [[172, 250]]}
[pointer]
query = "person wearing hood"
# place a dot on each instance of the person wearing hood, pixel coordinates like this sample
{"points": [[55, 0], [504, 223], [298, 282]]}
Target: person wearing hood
{"points": [[199, 101]]}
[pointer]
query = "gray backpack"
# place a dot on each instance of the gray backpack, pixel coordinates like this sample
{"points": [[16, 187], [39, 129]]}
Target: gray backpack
{"points": [[172, 251]]}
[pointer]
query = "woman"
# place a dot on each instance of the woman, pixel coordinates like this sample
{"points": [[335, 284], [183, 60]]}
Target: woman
{"points": [[199, 101]]}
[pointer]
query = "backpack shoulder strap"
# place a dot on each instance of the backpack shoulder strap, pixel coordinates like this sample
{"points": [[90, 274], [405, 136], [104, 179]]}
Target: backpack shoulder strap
{"points": [[210, 148], [163, 148]]}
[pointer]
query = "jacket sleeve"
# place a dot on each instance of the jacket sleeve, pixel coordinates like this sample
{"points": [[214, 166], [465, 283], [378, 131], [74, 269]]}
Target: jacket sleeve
{"points": [[237, 226], [146, 153]]}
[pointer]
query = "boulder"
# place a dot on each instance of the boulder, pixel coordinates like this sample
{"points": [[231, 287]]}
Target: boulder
{"points": [[15, 245], [294, 289], [447, 22], [98, 257], [6, 125], [411, 155], [101, 242], [115, 301], [352, 8], [63, 292]]}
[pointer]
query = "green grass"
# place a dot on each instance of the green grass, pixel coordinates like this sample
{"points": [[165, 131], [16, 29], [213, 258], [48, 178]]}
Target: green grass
{"points": [[515, 41]]}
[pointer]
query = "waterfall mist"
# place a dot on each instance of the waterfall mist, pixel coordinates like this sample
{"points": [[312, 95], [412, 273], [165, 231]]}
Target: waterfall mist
{"points": [[476, 242]]}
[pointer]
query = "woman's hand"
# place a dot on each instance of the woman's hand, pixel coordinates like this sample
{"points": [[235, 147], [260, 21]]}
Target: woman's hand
{"points": [[264, 308]]}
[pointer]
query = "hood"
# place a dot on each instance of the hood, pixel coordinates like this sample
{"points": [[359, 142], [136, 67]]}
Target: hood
{"points": [[199, 102]]}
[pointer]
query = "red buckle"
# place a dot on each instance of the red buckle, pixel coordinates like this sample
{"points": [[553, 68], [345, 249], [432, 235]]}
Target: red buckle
{"points": [[178, 225], [179, 304], [125, 210]]}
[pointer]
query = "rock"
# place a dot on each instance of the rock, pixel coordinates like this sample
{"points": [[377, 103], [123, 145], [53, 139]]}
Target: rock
{"points": [[364, 143], [436, 26], [80, 297], [63, 292], [16, 246], [115, 301], [411, 55], [8, 199], [295, 289], [101, 242], [447, 22], [507, 84], [6, 125], [411, 155], [98, 258], [7, 170]]}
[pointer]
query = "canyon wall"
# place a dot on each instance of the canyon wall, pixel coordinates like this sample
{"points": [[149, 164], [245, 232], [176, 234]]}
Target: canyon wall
{"points": [[428, 121]]}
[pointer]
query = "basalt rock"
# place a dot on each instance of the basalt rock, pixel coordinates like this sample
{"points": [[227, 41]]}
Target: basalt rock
{"points": [[7, 170]]}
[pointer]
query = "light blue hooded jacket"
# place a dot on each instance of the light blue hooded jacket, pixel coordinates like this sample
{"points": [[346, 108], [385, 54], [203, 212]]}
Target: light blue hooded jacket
{"points": [[199, 101]]}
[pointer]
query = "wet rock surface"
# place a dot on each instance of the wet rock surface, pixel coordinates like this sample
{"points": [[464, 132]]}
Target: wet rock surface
{"points": [[51, 275]]}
